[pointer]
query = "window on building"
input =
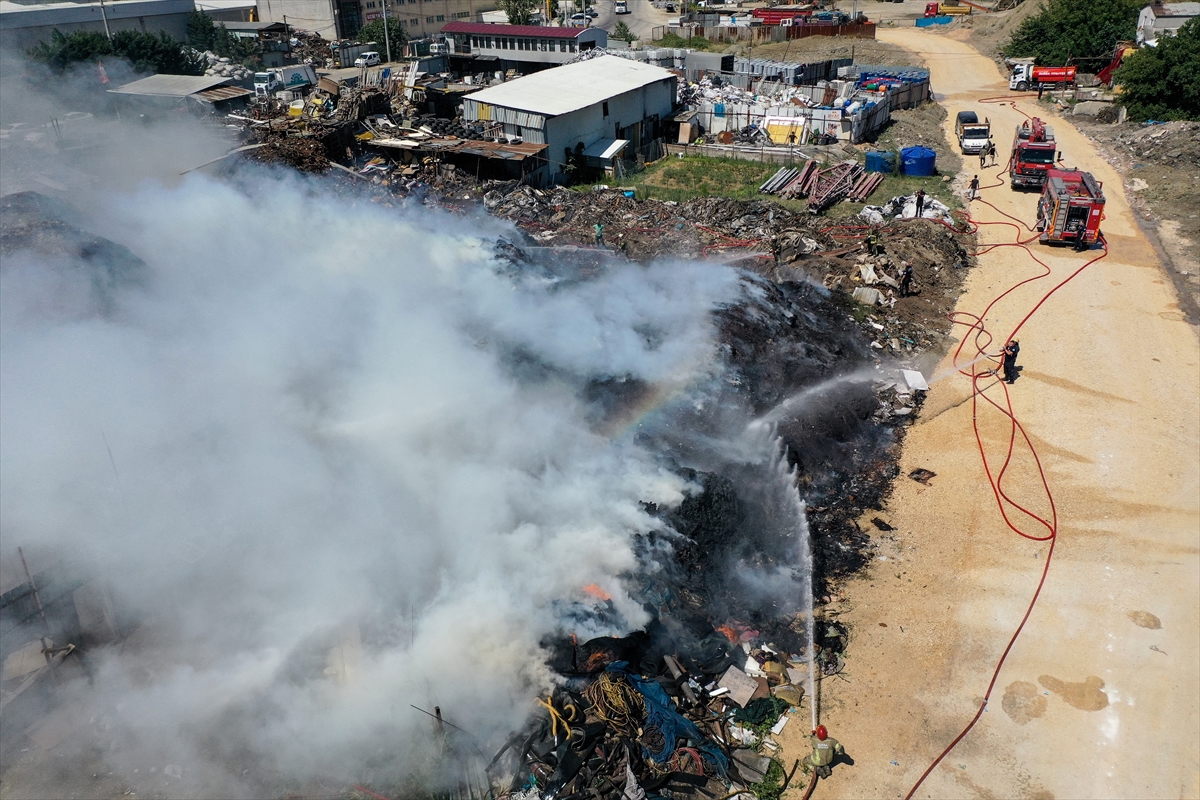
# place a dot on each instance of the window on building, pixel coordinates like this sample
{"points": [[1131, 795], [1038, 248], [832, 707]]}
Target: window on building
{"points": [[571, 45], [441, 17], [462, 15], [606, 108]]}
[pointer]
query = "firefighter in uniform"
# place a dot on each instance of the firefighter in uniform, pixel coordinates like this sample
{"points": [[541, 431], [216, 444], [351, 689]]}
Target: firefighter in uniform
{"points": [[825, 750]]}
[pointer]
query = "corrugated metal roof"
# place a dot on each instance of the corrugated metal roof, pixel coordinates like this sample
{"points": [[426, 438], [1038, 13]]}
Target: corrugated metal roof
{"points": [[488, 29], [171, 85], [1177, 10], [222, 93], [571, 87]]}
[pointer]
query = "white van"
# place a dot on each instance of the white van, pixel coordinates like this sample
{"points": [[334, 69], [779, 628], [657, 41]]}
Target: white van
{"points": [[368, 59]]}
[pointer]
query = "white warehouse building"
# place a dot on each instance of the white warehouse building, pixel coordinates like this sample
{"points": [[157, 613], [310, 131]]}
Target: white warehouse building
{"points": [[608, 105]]}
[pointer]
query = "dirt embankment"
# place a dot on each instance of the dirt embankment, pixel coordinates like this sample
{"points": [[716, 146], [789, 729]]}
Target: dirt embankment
{"points": [[1160, 165]]}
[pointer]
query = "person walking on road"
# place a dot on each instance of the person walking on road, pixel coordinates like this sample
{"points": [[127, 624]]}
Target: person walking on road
{"points": [[920, 197], [974, 188], [825, 750], [992, 152], [983, 154], [1011, 350]]}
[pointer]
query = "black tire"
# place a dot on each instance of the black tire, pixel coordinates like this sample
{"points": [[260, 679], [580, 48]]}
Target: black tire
{"points": [[1022, 87]]}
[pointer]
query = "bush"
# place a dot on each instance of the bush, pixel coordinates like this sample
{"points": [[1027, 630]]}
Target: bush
{"points": [[1071, 30], [1163, 82], [622, 33]]}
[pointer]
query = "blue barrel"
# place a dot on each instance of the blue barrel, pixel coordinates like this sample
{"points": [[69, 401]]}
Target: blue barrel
{"points": [[880, 161], [919, 161]]}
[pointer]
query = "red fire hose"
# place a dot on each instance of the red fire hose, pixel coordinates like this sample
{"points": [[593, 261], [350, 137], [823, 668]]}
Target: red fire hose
{"points": [[981, 338]]}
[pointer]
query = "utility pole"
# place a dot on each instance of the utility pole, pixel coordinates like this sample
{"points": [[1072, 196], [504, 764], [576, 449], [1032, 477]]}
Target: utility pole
{"points": [[104, 16], [387, 40]]}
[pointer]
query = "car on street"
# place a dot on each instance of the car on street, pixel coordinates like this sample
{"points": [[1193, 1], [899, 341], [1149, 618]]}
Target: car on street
{"points": [[368, 59]]}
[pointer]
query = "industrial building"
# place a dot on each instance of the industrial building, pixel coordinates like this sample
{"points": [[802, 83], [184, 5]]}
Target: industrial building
{"points": [[609, 107], [22, 26], [1158, 19], [521, 47]]}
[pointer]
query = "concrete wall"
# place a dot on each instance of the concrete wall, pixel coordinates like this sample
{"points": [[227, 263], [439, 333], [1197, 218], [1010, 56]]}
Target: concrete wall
{"points": [[625, 112], [24, 26], [309, 15]]}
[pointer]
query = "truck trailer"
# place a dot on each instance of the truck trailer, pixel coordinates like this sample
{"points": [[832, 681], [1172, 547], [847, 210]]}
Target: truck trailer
{"points": [[1033, 153], [1071, 208], [294, 78]]}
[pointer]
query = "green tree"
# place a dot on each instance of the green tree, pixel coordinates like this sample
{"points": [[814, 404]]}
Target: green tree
{"points": [[243, 51], [147, 52], [1075, 30], [1163, 82], [373, 32], [201, 33], [622, 33], [519, 12]]}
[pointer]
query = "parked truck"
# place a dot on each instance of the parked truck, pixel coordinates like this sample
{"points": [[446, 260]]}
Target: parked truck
{"points": [[1033, 154], [946, 9], [972, 134], [294, 78], [621, 7], [1071, 208], [1026, 76]]}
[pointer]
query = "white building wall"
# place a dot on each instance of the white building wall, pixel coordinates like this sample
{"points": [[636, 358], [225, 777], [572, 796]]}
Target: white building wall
{"points": [[24, 26], [590, 125]]}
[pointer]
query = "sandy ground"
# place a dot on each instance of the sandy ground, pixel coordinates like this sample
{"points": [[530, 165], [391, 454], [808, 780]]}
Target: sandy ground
{"points": [[1098, 697]]}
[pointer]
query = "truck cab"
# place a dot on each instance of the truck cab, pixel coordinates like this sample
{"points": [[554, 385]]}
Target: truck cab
{"points": [[622, 7], [1033, 155]]}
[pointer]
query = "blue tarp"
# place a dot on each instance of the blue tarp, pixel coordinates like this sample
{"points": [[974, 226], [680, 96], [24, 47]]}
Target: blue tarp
{"points": [[925, 22], [661, 714]]}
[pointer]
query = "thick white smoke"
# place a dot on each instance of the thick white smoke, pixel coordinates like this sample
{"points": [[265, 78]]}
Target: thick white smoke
{"points": [[330, 422]]}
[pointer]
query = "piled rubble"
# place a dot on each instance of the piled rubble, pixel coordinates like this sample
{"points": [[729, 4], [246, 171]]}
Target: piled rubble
{"points": [[653, 713], [1173, 143], [309, 48], [223, 67], [905, 207]]}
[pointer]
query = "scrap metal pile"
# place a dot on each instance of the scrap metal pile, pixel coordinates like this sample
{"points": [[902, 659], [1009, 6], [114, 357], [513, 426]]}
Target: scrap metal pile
{"points": [[823, 188], [655, 713]]}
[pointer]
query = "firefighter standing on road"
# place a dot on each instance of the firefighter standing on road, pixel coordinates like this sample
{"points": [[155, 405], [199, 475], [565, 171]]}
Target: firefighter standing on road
{"points": [[1011, 350], [825, 750]]}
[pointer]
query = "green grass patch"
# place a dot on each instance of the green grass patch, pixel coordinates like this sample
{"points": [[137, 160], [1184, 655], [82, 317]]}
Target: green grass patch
{"points": [[681, 179], [771, 787], [694, 42]]}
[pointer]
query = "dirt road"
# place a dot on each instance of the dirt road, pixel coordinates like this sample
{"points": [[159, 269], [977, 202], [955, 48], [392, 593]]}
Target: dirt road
{"points": [[1098, 697]]}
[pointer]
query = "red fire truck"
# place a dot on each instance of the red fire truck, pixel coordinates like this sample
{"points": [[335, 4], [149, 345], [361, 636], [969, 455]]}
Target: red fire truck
{"points": [[1071, 208], [1033, 152]]}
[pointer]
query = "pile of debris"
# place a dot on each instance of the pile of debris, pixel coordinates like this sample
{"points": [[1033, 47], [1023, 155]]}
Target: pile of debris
{"points": [[653, 714], [1174, 144], [824, 188], [905, 207], [223, 67], [309, 48]]}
